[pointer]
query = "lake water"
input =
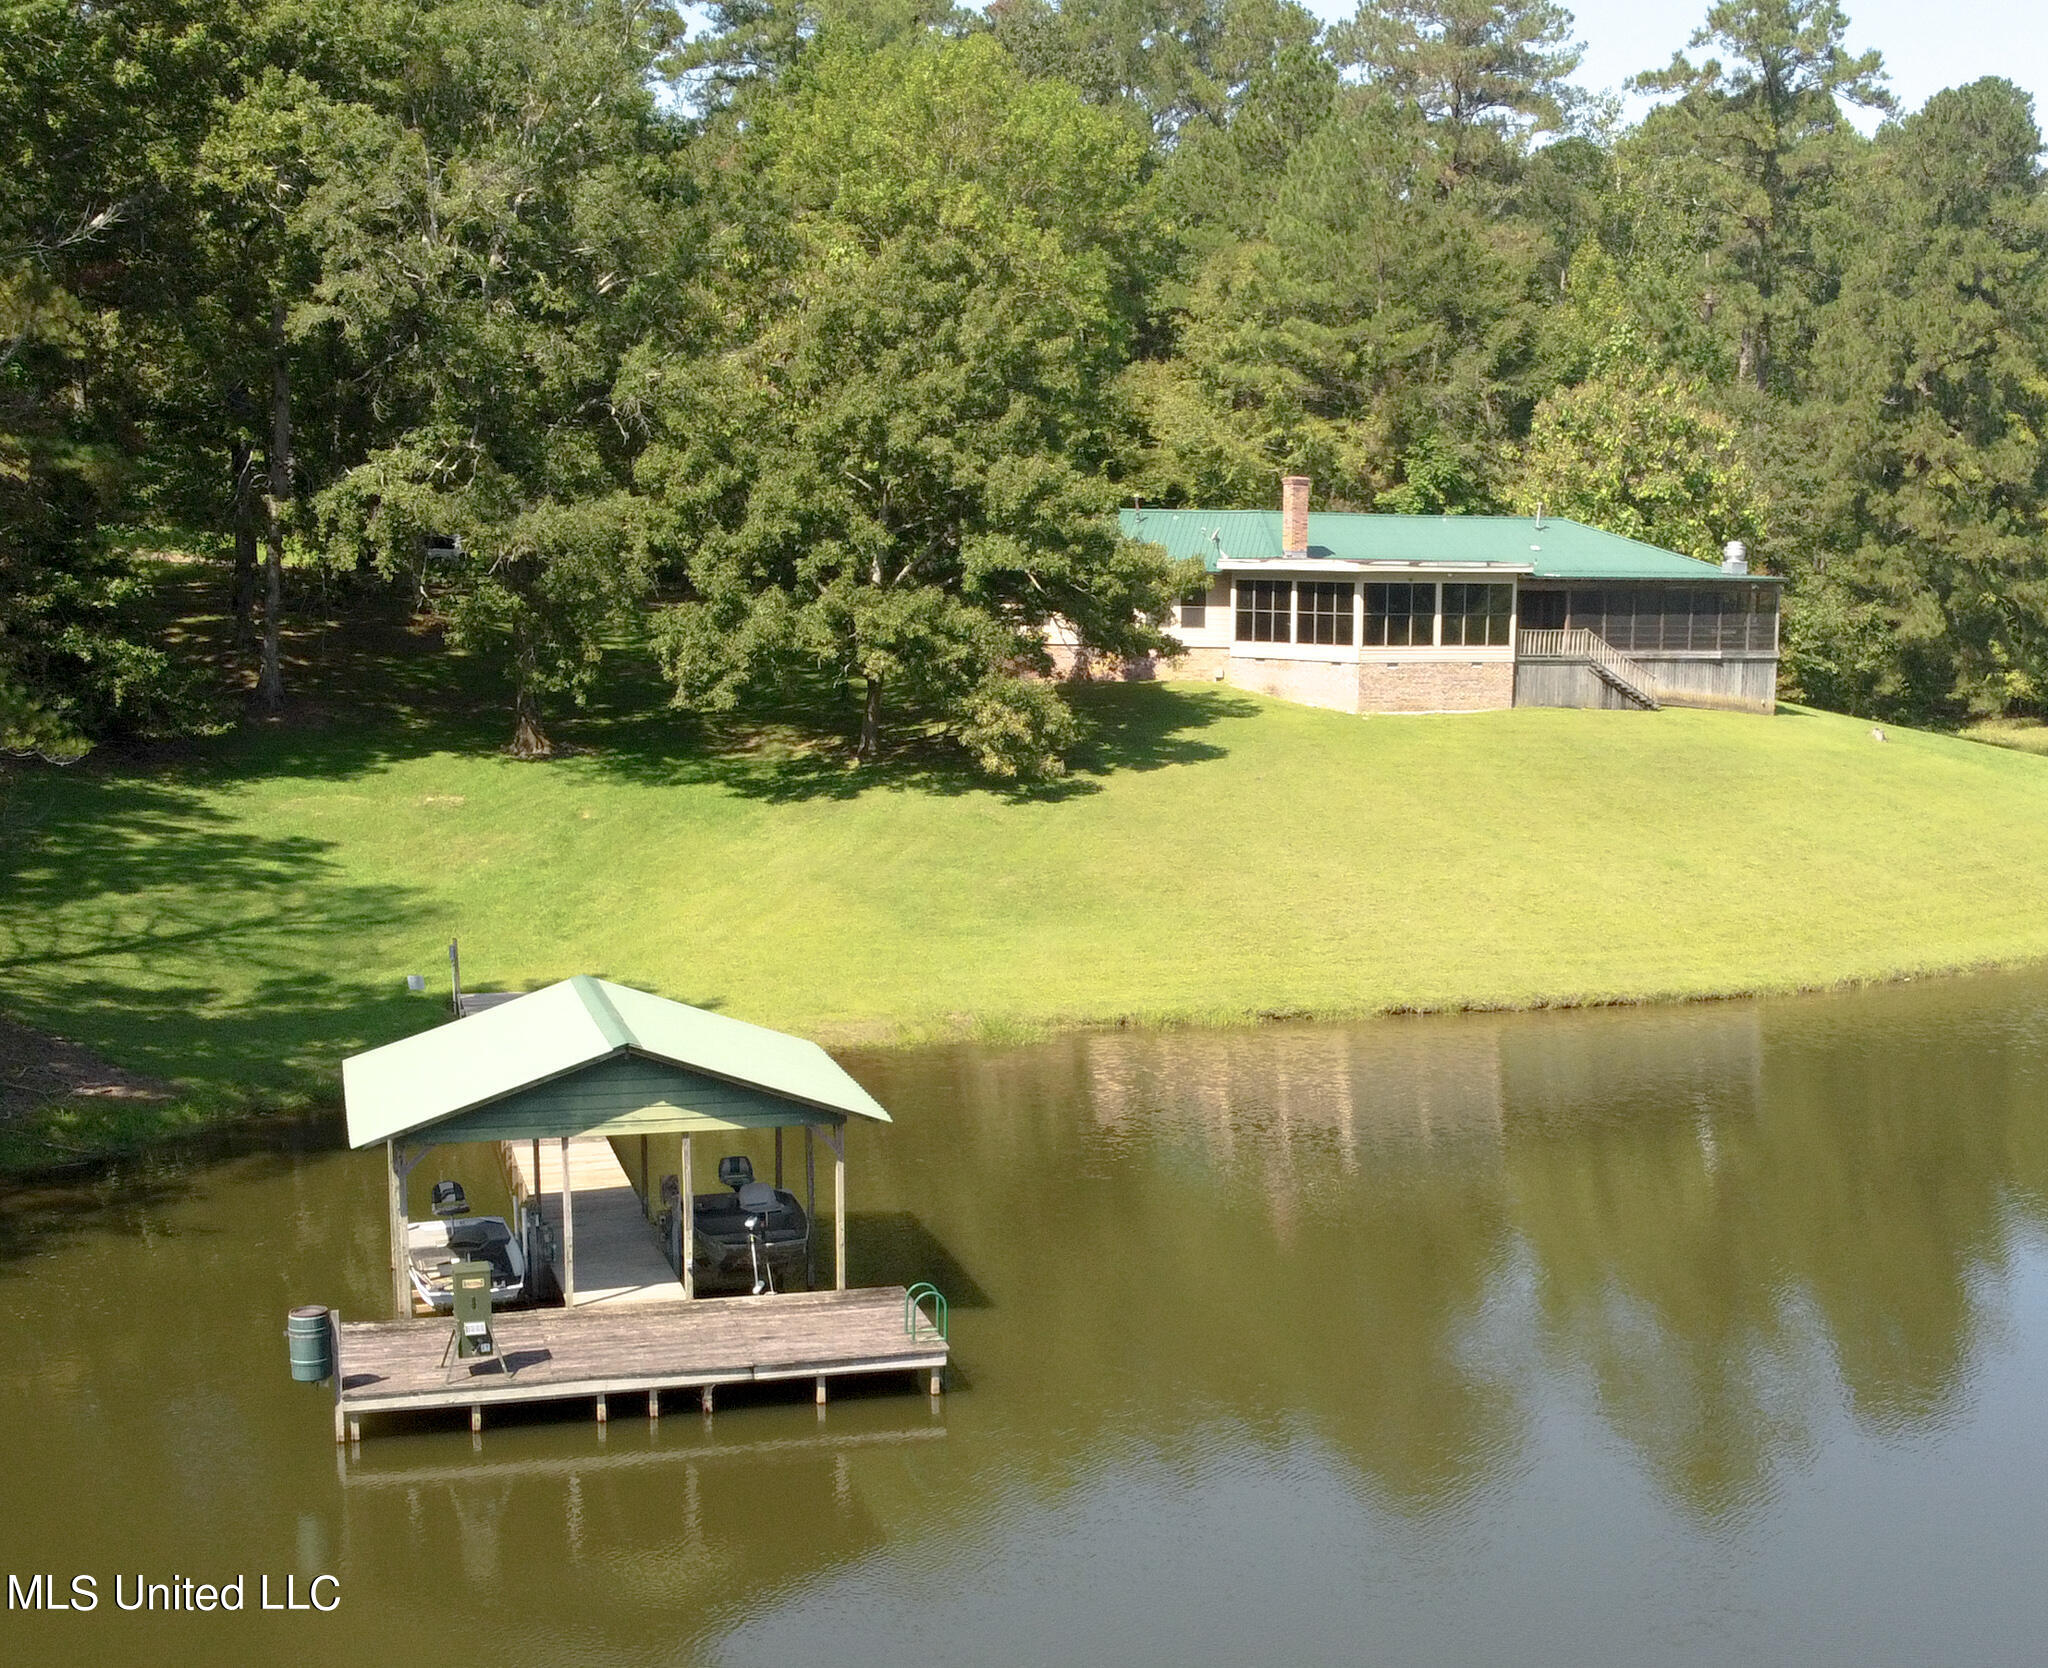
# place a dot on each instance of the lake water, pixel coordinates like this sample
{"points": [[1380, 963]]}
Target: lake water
{"points": [[1715, 1335]]}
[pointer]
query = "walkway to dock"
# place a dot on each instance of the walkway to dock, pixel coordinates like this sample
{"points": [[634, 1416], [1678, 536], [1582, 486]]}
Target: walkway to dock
{"points": [[618, 1259], [568, 1354]]}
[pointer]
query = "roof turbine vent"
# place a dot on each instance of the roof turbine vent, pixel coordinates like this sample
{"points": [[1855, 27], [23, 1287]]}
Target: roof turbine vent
{"points": [[1734, 557]]}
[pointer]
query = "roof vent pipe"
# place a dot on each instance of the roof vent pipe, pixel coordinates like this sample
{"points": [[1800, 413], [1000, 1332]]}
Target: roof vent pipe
{"points": [[1294, 515], [1734, 557], [1539, 515]]}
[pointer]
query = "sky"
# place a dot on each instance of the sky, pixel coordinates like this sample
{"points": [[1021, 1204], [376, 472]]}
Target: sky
{"points": [[1926, 46]]}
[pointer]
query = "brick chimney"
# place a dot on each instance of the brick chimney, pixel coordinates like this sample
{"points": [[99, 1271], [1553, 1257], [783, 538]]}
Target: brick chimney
{"points": [[1294, 515]]}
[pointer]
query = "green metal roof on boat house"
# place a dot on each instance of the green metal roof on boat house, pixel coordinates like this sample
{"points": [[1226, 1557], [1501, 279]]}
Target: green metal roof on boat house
{"points": [[588, 1057], [1549, 549]]}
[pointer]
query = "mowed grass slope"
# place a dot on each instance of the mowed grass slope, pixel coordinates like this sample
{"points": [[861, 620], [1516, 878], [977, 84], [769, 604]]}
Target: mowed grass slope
{"points": [[239, 920]]}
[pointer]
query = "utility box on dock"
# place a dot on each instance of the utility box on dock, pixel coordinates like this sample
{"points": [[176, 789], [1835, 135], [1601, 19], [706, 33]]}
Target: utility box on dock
{"points": [[472, 1287]]}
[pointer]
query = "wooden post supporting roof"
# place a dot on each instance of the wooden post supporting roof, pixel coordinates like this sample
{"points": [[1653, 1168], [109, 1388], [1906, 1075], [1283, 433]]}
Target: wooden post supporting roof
{"points": [[688, 1206], [837, 1136], [394, 1215], [810, 1209], [568, 1232]]}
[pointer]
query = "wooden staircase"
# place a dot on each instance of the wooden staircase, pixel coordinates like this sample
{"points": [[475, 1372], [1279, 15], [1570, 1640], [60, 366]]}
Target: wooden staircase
{"points": [[1628, 678]]}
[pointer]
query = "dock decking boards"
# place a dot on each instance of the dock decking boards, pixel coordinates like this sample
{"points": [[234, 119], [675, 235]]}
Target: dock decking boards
{"points": [[617, 1258], [564, 1354]]}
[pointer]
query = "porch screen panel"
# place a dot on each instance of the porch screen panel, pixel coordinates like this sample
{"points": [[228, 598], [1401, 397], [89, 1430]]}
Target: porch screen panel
{"points": [[1621, 617], [1264, 610], [1587, 609], [1322, 612], [1400, 616], [1668, 618], [1477, 615]]}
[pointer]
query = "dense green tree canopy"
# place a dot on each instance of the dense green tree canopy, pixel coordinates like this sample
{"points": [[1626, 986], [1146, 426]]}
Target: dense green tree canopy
{"points": [[894, 471], [809, 345]]}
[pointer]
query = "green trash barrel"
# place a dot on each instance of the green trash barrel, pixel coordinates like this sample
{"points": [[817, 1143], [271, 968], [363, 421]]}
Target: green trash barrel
{"points": [[312, 1341]]}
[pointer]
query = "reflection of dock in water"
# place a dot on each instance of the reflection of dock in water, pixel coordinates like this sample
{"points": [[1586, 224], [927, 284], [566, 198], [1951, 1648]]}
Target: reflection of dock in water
{"points": [[358, 1471]]}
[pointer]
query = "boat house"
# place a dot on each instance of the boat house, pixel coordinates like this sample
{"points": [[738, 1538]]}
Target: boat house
{"points": [[1406, 613], [589, 1091]]}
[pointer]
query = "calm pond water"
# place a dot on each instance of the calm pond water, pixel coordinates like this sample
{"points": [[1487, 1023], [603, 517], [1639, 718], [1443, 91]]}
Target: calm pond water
{"points": [[1705, 1336]]}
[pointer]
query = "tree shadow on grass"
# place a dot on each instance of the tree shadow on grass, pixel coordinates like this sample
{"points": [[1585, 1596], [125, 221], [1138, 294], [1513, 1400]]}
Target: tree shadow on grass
{"points": [[138, 919], [368, 685], [773, 753]]}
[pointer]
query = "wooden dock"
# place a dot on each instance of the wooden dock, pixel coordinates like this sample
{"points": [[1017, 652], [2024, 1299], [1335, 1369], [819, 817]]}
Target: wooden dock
{"points": [[547, 1355], [617, 1258]]}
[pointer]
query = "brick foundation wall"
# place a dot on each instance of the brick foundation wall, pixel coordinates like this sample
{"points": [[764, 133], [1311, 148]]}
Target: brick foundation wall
{"points": [[1314, 683], [1204, 665], [1435, 686], [1073, 665]]}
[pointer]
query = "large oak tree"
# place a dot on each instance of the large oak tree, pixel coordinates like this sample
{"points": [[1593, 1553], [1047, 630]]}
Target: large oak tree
{"points": [[892, 469]]}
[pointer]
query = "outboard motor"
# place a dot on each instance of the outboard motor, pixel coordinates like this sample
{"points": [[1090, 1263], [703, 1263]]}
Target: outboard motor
{"points": [[757, 1200], [449, 1200]]}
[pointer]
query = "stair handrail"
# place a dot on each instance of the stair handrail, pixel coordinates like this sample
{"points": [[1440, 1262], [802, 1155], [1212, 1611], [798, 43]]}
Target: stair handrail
{"points": [[1583, 643]]}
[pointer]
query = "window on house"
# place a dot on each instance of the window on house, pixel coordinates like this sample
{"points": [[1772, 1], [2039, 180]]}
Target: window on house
{"points": [[1264, 610], [1194, 609], [1477, 614], [1322, 612], [1400, 615]]}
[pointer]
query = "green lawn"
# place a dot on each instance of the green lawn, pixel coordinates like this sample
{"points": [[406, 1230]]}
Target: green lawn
{"points": [[2027, 735], [240, 918]]}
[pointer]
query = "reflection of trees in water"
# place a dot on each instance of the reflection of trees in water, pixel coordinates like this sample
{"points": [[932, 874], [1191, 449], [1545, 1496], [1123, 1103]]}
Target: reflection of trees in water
{"points": [[1170, 1254], [1720, 1241], [1301, 1221], [1725, 1214]]}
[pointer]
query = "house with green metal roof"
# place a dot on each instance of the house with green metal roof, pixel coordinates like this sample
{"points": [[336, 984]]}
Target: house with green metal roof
{"points": [[1407, 613]]}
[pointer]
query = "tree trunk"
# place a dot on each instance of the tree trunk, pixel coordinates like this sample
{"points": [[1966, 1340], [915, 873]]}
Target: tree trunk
{"points": [[870, 747], [244, 464], [1752, 357], [529, 740], [270, 678]]}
